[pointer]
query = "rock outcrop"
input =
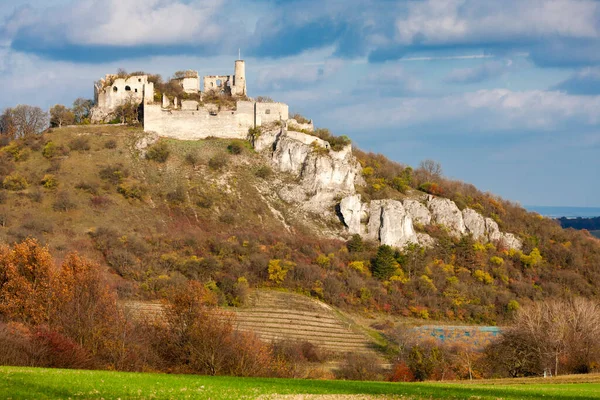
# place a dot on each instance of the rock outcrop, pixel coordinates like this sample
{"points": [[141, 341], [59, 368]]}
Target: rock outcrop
{"points": [[445, 212], [353, 212], [390, 224], [419, 213], [323, 174]]}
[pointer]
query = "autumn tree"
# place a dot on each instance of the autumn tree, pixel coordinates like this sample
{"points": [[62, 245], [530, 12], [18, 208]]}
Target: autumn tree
{"points": [[82, 109], [22, 121], [61, 115]]}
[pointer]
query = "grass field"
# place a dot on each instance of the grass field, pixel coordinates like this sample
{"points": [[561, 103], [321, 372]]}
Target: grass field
{"points": [[38, 383]]}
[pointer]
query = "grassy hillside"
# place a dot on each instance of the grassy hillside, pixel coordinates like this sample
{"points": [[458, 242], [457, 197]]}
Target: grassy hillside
{"points": [[211, 212], [27, 383]]}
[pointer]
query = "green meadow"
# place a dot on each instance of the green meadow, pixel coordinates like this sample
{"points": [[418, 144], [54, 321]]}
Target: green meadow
{"points": [[40, 383]]}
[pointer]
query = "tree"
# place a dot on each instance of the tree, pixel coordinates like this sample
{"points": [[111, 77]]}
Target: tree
{"points": [[82, 110], [384, 264], [562, 336], [429, 171], [61, 115], [22, 121]]}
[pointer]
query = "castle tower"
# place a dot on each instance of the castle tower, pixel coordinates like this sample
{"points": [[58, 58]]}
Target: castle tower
{"points": [[239, 78]]}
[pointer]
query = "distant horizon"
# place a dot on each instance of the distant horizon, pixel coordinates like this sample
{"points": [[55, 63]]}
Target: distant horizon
{"points": [[565, 211]]}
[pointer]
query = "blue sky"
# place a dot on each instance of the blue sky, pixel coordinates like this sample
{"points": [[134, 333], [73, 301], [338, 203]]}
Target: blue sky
{"points": [[504, 94]]}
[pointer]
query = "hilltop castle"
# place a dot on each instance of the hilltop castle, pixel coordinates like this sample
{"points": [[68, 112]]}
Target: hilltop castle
{"points": [[220, 109]]}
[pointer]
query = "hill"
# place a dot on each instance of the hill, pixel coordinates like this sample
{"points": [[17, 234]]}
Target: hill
{"points": [[213, 210]]}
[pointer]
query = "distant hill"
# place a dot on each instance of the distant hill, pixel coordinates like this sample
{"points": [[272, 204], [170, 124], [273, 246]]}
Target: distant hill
{"points": [[591, 224]]}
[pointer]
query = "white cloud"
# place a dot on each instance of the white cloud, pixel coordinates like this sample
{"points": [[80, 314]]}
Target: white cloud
{"points": [[129, 23], [434, 22], [475, 112]]}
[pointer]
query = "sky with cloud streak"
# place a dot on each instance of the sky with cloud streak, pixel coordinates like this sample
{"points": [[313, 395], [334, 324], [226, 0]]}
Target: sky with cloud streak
{"points": [[505, 94]]}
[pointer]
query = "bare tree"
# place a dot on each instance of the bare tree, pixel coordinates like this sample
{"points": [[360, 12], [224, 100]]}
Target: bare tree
{"points": [[23, 120], [430, 169], [61, 115], [560, 336]]}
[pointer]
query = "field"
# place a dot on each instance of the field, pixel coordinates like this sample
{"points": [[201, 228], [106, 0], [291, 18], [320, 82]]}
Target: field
{"points": [[37, 383]]}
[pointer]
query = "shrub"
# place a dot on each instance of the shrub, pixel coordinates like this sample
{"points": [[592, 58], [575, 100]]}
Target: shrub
{"points": [[178, 196], [263, 172], [235, 148], [79, 144], [15, 182], [192, 158], [90, 188], [217, 162], [100, 201], [63, 202], [49, 181], [431, 188], [359, 367], [114, 174], [205, 201], [159, 152], [49, 150], [300, 118], [110, 144], [131, 191]]}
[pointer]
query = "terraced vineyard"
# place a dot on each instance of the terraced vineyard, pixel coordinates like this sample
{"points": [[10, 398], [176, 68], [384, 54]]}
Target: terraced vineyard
{"points": [[277, 316]]}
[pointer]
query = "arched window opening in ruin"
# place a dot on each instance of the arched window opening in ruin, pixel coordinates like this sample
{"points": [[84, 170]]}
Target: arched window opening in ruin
{"points": [[139, 80], [219, 82], [212, 84], [268, 112], [136, 90], [115, 89], [127, 88]]}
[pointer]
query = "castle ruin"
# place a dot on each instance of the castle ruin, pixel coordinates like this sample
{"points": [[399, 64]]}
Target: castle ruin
{"points": [[220, 109]]}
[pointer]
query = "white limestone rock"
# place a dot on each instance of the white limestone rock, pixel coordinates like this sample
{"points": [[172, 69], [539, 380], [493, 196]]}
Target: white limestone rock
{"points": [[475, 223], [390, 224], [492, 231], [323, 175], [511, 241], [418, 212], [445, 212], [352, 211]]}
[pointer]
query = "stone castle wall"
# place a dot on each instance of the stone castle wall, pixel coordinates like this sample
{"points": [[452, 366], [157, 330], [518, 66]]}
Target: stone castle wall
{"points": [[194, 125]]}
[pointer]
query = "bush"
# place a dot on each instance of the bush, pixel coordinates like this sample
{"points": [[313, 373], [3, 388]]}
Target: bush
{"points": [[49, 181], [263, 172], [110, 144], [79, 144], [114, 174], [235, 148], [192, 158], [15, 182], [217, 162], [178, 196], [431, 188], [159, 152], [100, 201], [63, 202], [360, 367], [90, 188], [131, 191]]}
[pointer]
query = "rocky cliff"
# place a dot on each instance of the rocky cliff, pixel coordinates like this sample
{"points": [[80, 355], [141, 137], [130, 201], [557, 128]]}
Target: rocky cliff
{"points": [[324, 175], [392, 222]]}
